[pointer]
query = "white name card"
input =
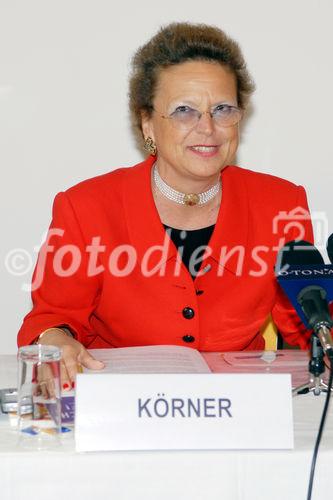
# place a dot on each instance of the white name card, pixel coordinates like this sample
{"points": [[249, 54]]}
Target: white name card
{"points": [[183, 411]]}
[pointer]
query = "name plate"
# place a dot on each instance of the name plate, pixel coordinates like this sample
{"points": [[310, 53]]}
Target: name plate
{"points": [[183, 411]]}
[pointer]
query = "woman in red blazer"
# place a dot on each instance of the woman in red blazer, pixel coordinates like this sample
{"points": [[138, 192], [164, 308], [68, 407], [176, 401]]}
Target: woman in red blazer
{"points": [[179, 249]]}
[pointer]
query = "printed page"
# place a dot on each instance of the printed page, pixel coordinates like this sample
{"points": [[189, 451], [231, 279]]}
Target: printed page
{"points": [[150, 359]]}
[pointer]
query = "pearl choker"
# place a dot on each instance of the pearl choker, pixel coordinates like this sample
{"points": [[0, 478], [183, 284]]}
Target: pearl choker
{"points": [[183, 198]]}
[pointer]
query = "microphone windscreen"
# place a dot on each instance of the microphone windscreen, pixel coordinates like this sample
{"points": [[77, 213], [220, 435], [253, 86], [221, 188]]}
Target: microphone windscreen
{"points": [[299, 253], [330, 248]]}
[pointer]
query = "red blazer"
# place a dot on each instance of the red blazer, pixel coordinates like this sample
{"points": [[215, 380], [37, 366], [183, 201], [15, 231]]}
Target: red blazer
{"points": [[223, 309]]}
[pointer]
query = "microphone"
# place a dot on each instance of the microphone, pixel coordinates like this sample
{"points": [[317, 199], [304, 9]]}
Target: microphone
{"points": [[308, 283], [299, 252], [329, 247]]}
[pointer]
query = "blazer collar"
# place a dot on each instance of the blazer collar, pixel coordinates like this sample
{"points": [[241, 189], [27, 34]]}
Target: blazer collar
{"points": [[146, 230]]}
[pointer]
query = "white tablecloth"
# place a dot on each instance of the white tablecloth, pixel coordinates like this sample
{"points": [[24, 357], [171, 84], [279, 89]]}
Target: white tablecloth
{"points": [[176, 475]]}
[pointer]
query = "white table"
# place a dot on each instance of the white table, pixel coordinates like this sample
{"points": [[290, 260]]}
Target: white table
{"points": [[180, 475]]}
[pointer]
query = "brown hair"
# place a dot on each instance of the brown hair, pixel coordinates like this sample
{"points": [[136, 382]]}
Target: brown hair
{"points": [[177, 43]]}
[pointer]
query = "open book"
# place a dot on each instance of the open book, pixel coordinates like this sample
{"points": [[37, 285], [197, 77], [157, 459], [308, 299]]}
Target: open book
{"points": [[179, 359]]}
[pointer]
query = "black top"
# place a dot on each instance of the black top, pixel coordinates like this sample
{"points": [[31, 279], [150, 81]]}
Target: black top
{"points": [[187, 241]]}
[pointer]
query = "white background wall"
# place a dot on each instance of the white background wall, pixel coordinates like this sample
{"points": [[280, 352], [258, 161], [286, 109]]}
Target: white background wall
{"points": [[64, 66]]}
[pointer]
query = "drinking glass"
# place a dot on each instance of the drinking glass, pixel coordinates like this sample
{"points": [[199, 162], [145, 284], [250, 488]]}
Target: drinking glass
{"points": [[39, 396]]}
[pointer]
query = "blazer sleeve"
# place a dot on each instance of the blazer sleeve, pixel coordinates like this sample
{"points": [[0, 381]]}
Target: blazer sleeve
{"points": [[284, 315], [63, 292]]}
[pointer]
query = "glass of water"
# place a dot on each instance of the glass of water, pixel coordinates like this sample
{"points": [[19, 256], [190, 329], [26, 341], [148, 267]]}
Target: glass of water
{"points": [[39, 396]]}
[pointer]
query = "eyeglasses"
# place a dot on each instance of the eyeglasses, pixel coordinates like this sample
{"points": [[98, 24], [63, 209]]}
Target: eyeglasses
{"points": [[185, 117]]}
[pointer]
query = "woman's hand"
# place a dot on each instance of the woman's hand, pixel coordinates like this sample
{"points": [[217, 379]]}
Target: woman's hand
{"points": [[74, 354]]}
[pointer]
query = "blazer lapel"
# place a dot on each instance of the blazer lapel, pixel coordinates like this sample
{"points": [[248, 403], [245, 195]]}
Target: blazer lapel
{"points": [[230, 235], [145, 228]]}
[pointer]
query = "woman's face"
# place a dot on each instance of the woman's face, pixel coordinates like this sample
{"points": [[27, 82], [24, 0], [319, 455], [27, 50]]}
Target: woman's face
{"points": [[201, 86]]}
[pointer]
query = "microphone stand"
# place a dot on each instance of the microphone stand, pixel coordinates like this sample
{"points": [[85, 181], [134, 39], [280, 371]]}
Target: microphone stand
{"points": [[313, 301], [316, 383]]}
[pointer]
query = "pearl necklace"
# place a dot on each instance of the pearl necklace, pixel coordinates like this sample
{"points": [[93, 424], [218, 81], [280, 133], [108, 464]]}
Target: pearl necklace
{"points": [[183, 198]]}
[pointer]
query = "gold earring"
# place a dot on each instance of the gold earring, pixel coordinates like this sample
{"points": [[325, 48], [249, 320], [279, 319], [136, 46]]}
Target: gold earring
{"points": [[150, 146]]}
